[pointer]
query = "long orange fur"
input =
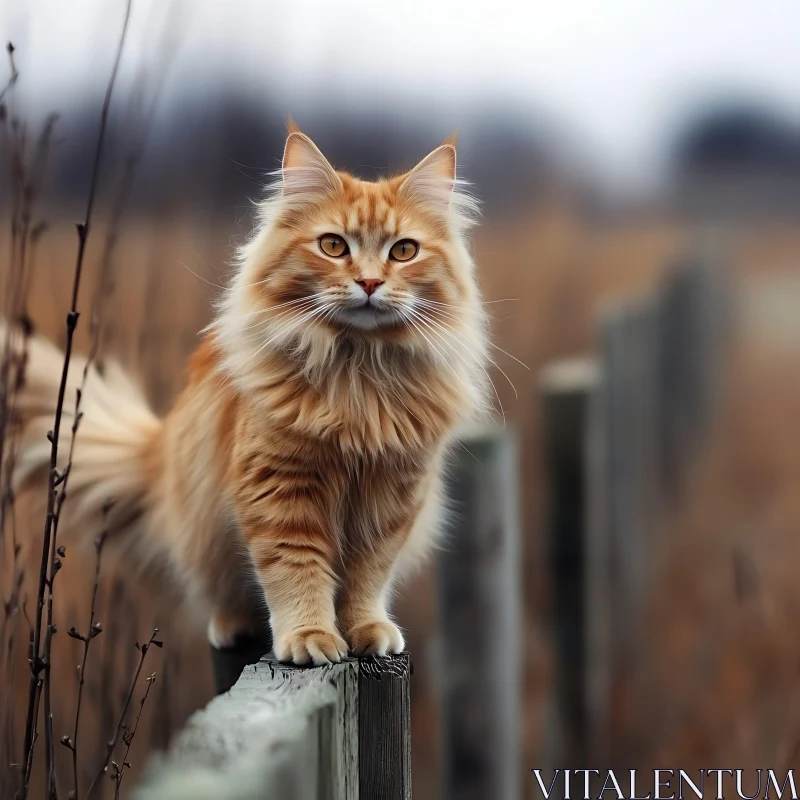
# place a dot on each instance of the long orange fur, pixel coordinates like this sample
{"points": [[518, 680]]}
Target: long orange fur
{"points": [[302, 463]]}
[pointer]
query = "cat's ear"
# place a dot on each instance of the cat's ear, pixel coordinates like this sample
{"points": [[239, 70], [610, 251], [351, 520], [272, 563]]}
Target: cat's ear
{"points": [[307, 174], [432, 181]]}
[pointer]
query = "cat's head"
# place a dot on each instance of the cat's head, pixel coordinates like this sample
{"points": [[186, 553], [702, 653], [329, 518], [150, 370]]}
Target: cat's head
{"points": [[336, 257]]}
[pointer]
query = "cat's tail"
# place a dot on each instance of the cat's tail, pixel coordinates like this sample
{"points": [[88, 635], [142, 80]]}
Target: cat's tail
{"points": [[116, 458]]}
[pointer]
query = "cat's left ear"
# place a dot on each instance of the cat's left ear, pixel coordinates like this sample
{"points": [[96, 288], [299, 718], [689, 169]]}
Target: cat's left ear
{"points": [[307, 174], [431, 182]]}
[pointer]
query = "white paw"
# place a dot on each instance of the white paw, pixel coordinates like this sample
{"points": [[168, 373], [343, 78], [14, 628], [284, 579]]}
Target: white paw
{"points": [[375, 638], [310, 645]]}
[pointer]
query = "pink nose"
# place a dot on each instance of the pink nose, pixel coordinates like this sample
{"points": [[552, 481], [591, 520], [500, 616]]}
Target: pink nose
{"points": [[369, 285]]}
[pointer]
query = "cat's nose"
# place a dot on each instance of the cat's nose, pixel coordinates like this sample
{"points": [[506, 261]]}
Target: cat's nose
{"points": [[369, 285]]}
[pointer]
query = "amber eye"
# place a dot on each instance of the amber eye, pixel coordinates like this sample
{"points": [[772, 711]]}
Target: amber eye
{"points": [[404, 250], [333, 245]]}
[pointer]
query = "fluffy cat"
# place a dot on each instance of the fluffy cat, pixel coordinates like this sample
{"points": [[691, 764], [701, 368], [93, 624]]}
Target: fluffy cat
{"points": [[302, 463]]}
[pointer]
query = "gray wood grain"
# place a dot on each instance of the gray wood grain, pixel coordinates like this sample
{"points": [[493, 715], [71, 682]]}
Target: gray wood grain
{"points": [[384, 727], [282, 732], [479, 629], [295, 733]]}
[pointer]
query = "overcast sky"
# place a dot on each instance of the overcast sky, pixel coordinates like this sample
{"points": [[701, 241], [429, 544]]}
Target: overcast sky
{"points": [[615, 72]]}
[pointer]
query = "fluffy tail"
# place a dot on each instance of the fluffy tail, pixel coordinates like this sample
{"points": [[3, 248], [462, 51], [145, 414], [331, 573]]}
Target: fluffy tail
{"points": [[116, 457]]}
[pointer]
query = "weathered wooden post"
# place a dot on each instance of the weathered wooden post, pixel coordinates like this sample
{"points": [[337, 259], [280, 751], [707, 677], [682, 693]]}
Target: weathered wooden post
{"points": [[479, 626], [339, 732], [628, 404], [281, 731], [620, 496], [384, 728], [598, 594], [566, 387]]}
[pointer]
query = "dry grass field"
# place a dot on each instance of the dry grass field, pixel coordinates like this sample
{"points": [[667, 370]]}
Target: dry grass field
{"points": [[719, 657]]}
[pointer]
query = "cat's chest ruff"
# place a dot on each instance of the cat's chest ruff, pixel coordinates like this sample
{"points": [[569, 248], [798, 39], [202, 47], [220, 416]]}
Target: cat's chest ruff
{"points": [[372, 421], [356, 413]]}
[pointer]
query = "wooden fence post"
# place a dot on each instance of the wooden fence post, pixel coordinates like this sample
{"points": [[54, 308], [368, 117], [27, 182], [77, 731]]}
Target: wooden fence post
{"points": [[598, 594], [384, 727], [479, 625], [339, 732], [281, 731], [566, 388]]}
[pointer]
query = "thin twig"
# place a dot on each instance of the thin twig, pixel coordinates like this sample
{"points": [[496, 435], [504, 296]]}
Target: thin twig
{"points": [[143, 650], [93, 629], [128, 739], [41, 656]]}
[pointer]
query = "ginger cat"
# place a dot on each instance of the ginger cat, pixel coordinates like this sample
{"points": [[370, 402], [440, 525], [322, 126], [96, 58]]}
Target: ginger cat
{"points": [[302, 463]]}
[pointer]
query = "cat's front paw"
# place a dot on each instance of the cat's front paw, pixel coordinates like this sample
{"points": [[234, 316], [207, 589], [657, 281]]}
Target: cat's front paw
{"points": [[377, 637], [310, 644]]}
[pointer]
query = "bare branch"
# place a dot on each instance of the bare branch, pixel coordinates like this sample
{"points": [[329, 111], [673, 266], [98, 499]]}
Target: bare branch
{"points": [[41, 654], [93, 629], [128, 739], [143, 650]]}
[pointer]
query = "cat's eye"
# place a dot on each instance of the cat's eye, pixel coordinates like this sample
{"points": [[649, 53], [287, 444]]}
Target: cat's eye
{"points": [[333, 245], [404, 250]]}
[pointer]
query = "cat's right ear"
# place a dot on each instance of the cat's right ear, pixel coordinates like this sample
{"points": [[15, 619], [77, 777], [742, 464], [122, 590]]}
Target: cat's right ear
{"points": [[307, 174]]}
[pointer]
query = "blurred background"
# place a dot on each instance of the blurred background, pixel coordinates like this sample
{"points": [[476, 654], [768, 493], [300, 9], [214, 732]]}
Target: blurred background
{"points": [[638, 164]]}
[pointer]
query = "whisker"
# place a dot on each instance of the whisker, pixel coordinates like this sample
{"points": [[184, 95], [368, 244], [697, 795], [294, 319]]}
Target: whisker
{"points": [[293, 324], [505, 352], [455, 318], [452, 332], [298, 303], [287, 326], [279, 305], [205, 280], [325, 317], [305, 305], [436, 309], [445, 343], [455, 333], [423, 320], [436, 349], [478, 302]]}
